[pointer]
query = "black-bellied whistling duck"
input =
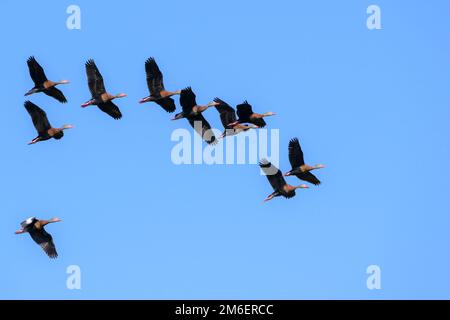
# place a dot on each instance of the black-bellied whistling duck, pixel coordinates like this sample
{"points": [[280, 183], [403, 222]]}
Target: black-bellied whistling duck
{"points": [[42, 84], [42, 125], [189, 105], [279, 185], [35, 228], [246, 115], [101, 98], [228, 119], [155, 85], [299, 168], [193, 113]]}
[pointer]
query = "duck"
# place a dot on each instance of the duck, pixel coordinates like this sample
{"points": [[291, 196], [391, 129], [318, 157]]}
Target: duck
{"points": [[35, 228], [227, 117], [276, 180], [42, 84], [100, 97], [42, 125], [155, 84], [189, 105], [193, 113], [299, 168], [246, 115]]}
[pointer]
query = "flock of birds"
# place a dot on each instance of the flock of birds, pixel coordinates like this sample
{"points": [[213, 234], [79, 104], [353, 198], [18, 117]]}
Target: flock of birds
{"points": [[233, 121]]}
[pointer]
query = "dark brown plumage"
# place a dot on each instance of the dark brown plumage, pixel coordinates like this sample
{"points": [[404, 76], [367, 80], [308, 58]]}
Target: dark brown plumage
{"points": [[155, 84], [276, 180], [193, 113], [42, 84], [228, 119], [100, 97], [42, 125], [299, 168], [35, 228], [246, 115]]}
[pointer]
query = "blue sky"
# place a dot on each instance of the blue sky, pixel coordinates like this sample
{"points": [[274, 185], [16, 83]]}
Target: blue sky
{"points": [[373, 105]]}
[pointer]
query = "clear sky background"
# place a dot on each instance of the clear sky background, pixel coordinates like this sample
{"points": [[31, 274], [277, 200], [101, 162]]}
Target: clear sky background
{"points": [[373, 105]]}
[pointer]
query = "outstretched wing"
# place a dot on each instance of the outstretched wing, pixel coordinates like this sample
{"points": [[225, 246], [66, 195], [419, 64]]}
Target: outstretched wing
{"points": [[45, 241], [203, 128], [154, 77], [308, 177], [56, 93], [227, 113], [273, 174], [111, 109], [95, 79], [295, 154], [260, 122], [36, 72], [167, 104], [187, 100], [38, 116]]}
